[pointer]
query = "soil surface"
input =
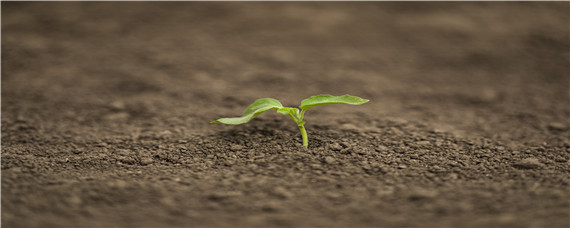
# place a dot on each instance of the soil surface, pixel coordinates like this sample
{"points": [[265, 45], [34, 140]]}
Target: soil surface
{"points": [[106, 109]]}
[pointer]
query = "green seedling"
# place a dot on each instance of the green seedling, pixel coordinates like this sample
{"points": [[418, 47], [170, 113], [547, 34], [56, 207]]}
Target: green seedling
{"points": [[297, 114]]}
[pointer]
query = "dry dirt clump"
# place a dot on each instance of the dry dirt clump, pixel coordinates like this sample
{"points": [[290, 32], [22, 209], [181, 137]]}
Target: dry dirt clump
{"points": [[106, 109]]}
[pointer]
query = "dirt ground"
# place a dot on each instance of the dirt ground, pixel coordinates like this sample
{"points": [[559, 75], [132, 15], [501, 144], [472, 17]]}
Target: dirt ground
{"points": [[106, 109]]}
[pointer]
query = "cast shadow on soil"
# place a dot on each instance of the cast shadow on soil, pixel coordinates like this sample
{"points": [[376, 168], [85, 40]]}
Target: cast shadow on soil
{"points": [[277, 135]]}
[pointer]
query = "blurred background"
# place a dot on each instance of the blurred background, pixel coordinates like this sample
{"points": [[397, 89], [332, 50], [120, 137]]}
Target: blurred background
{"points": [[498, 70]]}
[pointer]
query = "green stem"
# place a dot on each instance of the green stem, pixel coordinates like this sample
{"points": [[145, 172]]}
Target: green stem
{"points": [[304, 135]]}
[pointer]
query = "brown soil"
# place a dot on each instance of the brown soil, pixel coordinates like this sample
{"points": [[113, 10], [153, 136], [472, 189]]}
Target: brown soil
{"points": [[105, 111]]}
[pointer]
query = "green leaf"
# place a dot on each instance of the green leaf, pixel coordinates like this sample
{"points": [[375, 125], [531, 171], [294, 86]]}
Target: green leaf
{"points": [[258, 107], [287, 110], [329, 99]]}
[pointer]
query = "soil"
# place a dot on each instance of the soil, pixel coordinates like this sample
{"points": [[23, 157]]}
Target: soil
{"points": [[106, 109]]}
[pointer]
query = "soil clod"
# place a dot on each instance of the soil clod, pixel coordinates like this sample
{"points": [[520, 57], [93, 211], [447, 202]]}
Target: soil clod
{"points": [[528, 163]]}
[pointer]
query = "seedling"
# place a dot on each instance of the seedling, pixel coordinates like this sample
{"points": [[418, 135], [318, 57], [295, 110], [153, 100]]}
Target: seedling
{"points": [[297, 114]]}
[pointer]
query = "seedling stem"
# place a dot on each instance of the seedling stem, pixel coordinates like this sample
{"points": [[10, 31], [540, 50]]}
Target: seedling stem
{"points": [[304, 135]]}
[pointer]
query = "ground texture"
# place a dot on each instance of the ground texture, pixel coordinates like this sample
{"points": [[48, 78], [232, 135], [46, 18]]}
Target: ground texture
{"points": [[106, 110]]}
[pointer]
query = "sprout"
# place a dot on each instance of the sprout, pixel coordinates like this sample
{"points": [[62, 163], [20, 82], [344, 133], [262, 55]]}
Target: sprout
{"points": [[297, 114]]}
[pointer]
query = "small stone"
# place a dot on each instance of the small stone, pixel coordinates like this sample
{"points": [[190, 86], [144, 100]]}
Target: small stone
{"points": [[120, 184], [329, 160], [168, 201], [333, 195], [366, 166], [119, 116], [557, 126], [20, 118], [223, 195], [349, 126], [126, 160], [236, 147], [101, 144], [124, 152], [375, 164], [488, 95], [78, 151], [74, 200], [146, 161], [381, 148], [422, 194], [281, 192], [437, 169], [423, 143], [453, 164], [316, 166], [528, 163], [454, 176], [118, 105], [335, 146], [402, 167], [337, 173], [384, 169], [165, 133], [271, 206], [229, 162]]}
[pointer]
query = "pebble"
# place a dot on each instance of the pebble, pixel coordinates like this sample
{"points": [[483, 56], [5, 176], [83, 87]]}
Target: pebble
{"points": [[422, 194], [118, 105], [333, 195], [20, 118], [271, 206], [335, 146], [437, 169], [329, 160], [423, 143], [119, 116], [381, 148], [453, 164], [221, 195], [236, 147], [74, 200], [487, 95], [117, 184], [78, 151], [557, 126], [281, 192], [528, 163], [349, 126], [146, 161], [316, 166]]}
